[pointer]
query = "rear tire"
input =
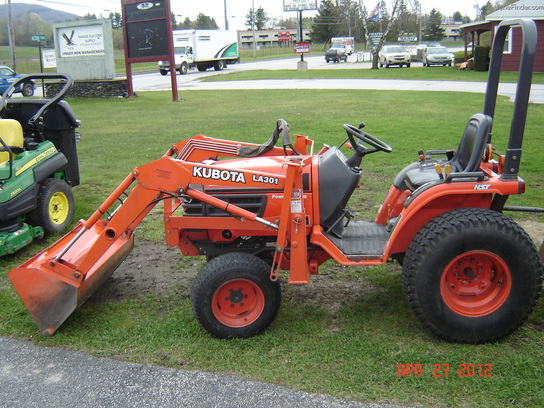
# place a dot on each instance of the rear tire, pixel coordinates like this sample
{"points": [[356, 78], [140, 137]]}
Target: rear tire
{"points": [[55, 207], [233, 296], [472, 276]]}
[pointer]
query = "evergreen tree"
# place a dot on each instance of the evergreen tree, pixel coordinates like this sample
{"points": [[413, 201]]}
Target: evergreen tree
{"points": [[323, 28], [457, 16], [187, 23], [258, 17], [261, 17], [250, 20], [433, 31], [116, 20], [205, 22]]}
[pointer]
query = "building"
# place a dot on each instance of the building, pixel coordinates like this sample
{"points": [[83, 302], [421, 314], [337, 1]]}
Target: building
{"points": [[532, 9], [452, 31], [267, 38]]}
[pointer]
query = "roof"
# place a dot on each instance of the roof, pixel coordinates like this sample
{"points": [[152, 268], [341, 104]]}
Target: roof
{"points": [[533, 9], [476, 24]]}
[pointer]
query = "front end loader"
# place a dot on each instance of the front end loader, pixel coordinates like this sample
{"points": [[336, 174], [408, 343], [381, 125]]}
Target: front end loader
{"points": [[470, 273]]}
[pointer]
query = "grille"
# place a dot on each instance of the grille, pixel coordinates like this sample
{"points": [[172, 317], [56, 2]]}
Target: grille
{"points": [[255, 203]]}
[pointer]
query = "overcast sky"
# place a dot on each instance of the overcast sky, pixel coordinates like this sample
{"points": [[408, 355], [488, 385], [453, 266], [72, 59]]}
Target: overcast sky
{"points": [[236, 9]]}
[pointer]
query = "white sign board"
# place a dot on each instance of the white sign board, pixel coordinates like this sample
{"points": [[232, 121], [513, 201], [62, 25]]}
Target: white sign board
{"points": [[78, 41], [49, 59], [294, 5]]}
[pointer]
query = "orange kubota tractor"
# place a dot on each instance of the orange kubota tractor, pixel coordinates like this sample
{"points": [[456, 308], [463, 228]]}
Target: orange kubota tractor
{"points": [[470, 273]]}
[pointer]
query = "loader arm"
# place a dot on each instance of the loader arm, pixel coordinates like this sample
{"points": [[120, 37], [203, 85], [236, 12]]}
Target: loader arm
{"points": [[60, 278]]}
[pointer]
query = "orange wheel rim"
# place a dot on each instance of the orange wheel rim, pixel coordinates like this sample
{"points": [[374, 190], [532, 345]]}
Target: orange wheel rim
{"points": [[475, 283], [238, 303]]}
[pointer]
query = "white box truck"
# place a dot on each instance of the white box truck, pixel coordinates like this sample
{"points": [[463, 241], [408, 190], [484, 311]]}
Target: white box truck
{"points": [[345, 45], [202, 49]]}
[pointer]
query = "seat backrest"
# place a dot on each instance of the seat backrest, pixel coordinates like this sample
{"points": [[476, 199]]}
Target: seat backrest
{"points": [[470, 151], [11, 133]]}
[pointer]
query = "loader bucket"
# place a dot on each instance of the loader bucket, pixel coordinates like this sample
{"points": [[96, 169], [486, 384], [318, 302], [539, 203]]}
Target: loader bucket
{"points": [[51, 288]]}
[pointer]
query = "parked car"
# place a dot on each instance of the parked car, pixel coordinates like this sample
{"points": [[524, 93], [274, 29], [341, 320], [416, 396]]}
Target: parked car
{"points": [[336, 55], [8, 76], [437, 56], [394, 55]]}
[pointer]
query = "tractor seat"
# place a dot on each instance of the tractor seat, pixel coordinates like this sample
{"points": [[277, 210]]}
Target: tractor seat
{"points": [[466, 158], [11, 132]]}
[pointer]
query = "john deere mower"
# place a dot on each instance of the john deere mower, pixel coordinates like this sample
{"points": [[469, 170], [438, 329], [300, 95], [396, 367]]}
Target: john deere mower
{"points": [[38, 165]]}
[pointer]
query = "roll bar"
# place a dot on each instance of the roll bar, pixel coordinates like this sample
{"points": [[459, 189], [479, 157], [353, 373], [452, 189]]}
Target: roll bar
{"points": [[523, 89]]}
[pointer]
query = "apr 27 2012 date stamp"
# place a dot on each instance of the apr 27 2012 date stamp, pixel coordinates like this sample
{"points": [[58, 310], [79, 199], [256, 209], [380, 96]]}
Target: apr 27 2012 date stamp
{"points": [[445, 370]]}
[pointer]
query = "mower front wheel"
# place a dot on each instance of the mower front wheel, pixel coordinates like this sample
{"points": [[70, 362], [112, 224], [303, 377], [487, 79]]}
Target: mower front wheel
{"points": [[472, 275], [233, 297], [55, 207]]}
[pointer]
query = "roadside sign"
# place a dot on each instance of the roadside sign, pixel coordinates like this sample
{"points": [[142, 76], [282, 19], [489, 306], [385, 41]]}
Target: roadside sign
{"points": [[299, 5], [49, 58], [407, 38], [37, 38], [375, 37], [301, 48]]}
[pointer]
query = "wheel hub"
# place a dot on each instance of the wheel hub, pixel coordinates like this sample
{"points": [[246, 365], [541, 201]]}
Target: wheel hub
{"points": [[236, 296], [238, 303], [475, 283], [58, 208]]}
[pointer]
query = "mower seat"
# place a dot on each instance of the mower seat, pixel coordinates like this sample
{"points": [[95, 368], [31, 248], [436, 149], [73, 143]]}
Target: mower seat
{"points": [[466, 158], [11, 132]]}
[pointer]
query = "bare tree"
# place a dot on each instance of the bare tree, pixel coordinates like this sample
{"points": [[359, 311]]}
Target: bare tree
{"points": [[387, 17]]}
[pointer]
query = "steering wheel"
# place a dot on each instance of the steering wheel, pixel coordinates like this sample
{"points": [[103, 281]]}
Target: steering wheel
{"points": [[360, 149]]}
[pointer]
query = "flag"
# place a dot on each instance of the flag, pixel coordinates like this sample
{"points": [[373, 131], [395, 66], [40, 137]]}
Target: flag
{"points": [[375, 14]]}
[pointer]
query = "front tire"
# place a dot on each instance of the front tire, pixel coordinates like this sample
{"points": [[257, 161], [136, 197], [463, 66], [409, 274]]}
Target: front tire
{"points": [[472, 276], [28, 89], [233, 296], [55, 207]]}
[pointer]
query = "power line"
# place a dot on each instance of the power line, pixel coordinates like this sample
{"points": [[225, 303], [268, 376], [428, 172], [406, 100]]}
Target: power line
{"points": [[63, 3]]}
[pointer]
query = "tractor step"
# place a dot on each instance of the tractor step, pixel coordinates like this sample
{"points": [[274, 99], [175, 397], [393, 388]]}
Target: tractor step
{"points": [[362, 238]]}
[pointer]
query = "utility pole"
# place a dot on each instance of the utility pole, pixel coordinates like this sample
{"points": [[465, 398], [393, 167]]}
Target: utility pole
{"points": [[253, 28], [226, 19], [11, 38]]}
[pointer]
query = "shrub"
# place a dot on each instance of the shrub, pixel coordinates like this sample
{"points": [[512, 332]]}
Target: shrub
{"points": [[481, 58], [460, 56]]}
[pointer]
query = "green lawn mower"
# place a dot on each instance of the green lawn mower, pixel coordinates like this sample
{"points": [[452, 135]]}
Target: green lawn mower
{"points": [[38, 164]]}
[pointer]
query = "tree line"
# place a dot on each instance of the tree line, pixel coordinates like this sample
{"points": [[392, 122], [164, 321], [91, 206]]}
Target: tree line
{"points": [[334, 18]]}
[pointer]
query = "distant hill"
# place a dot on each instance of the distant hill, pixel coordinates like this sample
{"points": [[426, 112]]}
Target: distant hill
{"points": [[48, 15]]}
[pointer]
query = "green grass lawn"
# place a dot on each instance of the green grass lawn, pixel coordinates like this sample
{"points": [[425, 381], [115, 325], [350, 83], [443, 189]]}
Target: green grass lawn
{"points": [[426, 74], [351, 353]]}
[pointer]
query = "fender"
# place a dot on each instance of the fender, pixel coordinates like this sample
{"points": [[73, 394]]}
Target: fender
{"points": [[443, 197]]}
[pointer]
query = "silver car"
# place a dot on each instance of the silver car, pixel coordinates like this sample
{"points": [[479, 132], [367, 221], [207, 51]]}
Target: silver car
{"points": [[394, 55], [437, 56]]}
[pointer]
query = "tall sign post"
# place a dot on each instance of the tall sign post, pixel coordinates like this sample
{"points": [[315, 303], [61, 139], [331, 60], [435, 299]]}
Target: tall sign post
{"points": [[147, 31], [39, 38], [299, 6]]}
